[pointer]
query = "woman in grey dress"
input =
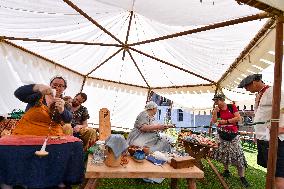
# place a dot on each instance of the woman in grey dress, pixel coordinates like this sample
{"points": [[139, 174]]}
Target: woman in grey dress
{"points": [[145, 131]]}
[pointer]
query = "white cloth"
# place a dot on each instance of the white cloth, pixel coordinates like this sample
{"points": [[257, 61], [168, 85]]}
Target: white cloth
{"points": [[263, 114]]}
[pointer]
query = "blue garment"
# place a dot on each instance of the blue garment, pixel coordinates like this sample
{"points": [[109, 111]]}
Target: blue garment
{"points": [[26, 94], [20, 166]]}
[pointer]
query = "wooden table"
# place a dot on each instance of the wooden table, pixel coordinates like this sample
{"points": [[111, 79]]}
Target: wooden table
{"points": [[141, 170]]}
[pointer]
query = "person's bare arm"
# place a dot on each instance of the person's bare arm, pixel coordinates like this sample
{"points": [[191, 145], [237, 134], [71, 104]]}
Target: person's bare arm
{"points": [[235, 119], [214, 114], [150, 128]]}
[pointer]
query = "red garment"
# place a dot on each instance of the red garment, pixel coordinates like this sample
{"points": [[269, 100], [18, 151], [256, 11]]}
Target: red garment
{"points": [[27, 140], [225, 115]]}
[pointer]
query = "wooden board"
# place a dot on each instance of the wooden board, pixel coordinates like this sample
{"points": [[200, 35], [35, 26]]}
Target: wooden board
{"points": [[104, 124], [182, 162], [140, 170]]}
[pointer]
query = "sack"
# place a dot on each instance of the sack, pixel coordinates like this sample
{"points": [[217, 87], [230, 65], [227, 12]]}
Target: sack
{"points": [[228, 136]]}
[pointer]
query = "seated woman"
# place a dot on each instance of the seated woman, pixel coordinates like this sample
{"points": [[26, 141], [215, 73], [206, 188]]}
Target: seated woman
{"points": [[45, 112], [230, 150], [145, 131]]}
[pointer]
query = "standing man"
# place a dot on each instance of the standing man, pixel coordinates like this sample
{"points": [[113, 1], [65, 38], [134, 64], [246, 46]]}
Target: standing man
{"points": [[263, 110], [79, 121]]}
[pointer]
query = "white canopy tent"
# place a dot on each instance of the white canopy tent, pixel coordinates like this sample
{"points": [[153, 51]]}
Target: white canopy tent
{"points": [[117, 51]]}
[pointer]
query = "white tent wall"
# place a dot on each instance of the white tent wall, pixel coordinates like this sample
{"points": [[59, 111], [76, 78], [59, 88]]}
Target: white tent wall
{"points": [[22, 68], [123, 102]]}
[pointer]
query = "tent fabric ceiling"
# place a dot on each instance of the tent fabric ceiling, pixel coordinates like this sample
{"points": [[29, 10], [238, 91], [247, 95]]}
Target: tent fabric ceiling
{"points": [[91, 46], [213, 48]]}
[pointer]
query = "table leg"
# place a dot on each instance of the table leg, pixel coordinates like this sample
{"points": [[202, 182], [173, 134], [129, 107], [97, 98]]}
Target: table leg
{"points": [[198, 163], [173, 183], [191, 184], [92, 183]]}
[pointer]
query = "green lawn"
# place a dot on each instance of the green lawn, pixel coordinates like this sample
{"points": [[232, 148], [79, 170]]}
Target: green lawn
{"points": [[254, 174]]}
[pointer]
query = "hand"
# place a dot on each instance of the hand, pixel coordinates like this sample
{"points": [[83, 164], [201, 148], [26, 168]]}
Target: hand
{"points": [[164, 127], [59, 104], [222, 122], [77, 128], [171, 126], [216, 109]]}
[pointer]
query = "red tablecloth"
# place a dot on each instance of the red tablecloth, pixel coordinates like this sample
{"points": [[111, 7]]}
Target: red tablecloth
{"points": [[25, 140]]}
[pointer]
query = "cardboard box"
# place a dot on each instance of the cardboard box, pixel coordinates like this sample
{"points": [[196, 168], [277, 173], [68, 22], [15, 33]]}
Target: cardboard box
{"points": [[182, 162]]}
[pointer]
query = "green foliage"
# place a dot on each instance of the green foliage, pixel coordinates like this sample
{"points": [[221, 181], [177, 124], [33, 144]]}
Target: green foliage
{"points": [[16, 114], [254, 174]]}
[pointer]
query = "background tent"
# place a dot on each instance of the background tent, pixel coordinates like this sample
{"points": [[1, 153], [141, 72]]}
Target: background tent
{"points": [[118, 51]]}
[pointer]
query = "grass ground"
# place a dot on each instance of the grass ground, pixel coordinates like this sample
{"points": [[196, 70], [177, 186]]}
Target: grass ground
{"points": [[254, 174]]}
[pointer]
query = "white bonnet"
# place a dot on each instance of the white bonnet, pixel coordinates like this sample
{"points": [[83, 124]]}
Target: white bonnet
{"points": [[151, 105]]}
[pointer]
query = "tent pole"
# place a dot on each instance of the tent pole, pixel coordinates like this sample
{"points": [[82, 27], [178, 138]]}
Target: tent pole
{"points": [[208, 27], [118, 82], [169, 64], [273, 142], [248, 48], [68, 2], [127, 34], [40, 56], [83, 84], [138, 68], [261, 6], [104, 61], [59, 41]]}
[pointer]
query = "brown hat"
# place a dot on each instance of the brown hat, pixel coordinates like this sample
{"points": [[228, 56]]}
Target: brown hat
{"points": [[218, 96]]}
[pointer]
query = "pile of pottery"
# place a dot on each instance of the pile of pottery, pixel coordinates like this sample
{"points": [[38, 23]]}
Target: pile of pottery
{"points": [[138, 153]]}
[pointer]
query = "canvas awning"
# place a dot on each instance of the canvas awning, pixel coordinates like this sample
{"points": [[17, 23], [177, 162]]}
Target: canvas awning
{"points": [[117, 51]]}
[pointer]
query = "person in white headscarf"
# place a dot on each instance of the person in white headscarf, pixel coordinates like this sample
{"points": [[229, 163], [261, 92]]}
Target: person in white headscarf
{"points": [[145, 131]]}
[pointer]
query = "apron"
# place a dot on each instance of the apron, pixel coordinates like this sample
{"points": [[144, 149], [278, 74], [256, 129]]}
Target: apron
{"points": [[36, 121]]}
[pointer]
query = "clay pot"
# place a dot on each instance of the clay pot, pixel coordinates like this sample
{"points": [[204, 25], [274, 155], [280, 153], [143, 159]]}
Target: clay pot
{"points": [[132, 149], [146, 150]]}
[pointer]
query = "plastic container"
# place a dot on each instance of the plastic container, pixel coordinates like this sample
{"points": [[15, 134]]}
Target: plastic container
{"points": [[99, 152]]}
